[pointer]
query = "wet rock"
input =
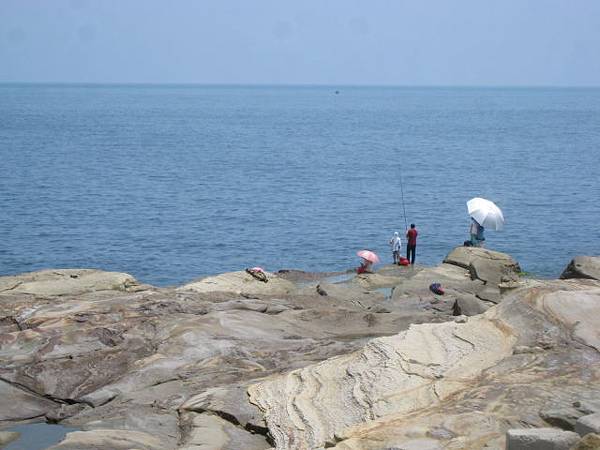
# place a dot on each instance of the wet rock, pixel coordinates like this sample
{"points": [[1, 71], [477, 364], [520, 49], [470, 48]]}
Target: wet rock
{"points": [[582, 267], [540, 439]]}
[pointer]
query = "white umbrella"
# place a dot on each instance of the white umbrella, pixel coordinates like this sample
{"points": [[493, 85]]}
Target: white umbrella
{"points": [[486, 213]]}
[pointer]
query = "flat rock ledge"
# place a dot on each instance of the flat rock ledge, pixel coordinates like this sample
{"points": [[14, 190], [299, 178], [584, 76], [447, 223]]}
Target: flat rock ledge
{"points": [[241, 283], [58, 282]]}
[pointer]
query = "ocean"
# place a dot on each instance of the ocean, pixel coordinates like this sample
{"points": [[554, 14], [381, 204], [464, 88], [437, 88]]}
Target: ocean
{"points": [[170, 183]]}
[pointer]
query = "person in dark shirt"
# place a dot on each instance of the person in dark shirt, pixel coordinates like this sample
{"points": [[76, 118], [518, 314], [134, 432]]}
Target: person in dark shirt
{"points": [[411, 246]]}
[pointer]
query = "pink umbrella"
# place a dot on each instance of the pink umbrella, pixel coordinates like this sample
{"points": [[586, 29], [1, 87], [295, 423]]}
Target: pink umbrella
{"points": [[369, 256]]}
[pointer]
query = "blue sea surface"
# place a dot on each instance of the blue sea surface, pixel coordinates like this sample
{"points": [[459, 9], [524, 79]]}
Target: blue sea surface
{"points": [[170, 183]]}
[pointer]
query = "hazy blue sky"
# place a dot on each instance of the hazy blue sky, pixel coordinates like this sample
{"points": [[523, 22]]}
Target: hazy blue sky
{"points": [[419, 42]]}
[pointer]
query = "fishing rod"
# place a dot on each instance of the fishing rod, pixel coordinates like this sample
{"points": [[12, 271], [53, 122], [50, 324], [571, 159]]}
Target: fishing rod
{"points": [[403, 207]]}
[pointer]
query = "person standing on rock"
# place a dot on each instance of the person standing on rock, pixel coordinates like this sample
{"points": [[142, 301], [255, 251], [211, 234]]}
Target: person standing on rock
{"points": [[411, 245], [396, 245]]}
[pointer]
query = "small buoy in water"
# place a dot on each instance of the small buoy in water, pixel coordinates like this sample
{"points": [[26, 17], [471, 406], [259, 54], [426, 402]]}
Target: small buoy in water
{"points": [[337, 92]]}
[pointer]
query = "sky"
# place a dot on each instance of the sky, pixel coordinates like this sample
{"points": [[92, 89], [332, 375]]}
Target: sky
{"points": [[332, 42]]}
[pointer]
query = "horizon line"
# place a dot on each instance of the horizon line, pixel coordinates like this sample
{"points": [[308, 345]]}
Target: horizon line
{"points": [[304, 85]]}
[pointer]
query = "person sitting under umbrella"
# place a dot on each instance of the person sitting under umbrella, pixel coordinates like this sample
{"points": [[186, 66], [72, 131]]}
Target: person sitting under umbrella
{"points": [[365, 266], [367, 259], [477, 236]]}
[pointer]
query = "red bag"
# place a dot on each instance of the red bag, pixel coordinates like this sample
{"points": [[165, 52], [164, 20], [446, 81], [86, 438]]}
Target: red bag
{"points": [[404, 261]]}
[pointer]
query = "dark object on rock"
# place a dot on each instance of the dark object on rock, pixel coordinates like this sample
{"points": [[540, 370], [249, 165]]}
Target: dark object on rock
{"points": [[258, 274], [583, 267], [467, 244], [321, 291], [436, 288]]}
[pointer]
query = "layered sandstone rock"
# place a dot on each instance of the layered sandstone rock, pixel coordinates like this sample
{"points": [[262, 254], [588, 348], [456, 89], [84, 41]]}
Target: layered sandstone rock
{"points": [[457, 384], [400, 374], [302, 361]]}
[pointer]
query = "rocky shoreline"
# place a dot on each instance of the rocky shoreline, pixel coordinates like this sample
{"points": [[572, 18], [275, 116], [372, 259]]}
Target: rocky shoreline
{"points": [[343, 361]]}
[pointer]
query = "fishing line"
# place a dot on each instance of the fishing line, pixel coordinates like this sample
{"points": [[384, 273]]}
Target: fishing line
{"points": [[403, 207]]}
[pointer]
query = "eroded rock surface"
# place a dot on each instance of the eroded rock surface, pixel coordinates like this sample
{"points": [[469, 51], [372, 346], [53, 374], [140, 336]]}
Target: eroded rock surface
{"points": [[461, 384], [303, 361], [415, 369], [115, 355]]}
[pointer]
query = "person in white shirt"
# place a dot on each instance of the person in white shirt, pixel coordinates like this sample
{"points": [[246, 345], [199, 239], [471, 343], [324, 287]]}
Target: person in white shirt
{"points": [[396, 245]]}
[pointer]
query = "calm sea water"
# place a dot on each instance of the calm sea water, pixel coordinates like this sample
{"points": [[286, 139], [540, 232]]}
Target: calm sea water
{"points": [[170, 183]]}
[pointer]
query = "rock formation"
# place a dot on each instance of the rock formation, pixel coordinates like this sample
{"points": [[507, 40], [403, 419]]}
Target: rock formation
{"points": [[303, 361], [583, 267]]}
